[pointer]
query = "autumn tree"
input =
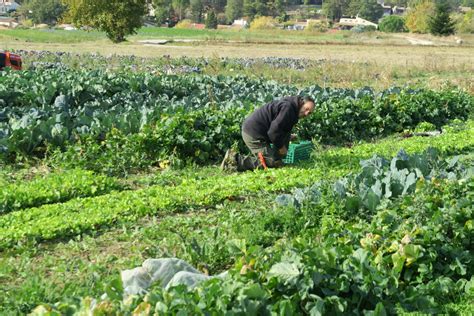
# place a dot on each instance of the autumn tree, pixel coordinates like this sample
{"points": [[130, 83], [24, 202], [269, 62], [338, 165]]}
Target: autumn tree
{"points": [[418, 16]]}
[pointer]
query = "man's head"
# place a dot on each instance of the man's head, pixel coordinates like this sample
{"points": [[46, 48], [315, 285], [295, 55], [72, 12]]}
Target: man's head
{"points": [[306, 107]]}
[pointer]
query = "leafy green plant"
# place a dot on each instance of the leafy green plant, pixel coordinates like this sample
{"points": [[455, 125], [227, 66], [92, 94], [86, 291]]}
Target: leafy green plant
{"points": [[392, 24], [424, 127], [411, 254], [145, 118], [82, 215], [54, 188]]}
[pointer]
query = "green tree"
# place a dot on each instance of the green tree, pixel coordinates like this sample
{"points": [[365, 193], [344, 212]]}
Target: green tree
{"points": [[440, 23], [211, 20], [179, 7], [468, 3], [334, 9], [417, 17], [276, 8], [163, 10], [352, 8], [216, 5], [249, 9], [43, 11], [392, 24], [370, 10], [261, 8], [117, 18], [197, 10], [234, 10]]}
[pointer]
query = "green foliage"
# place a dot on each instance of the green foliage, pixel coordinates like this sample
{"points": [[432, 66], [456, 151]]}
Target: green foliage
{"points": [[334, 9], [237, 234], [256, 8], [43, 11], [410, 253], [82, 215], [466, 23], [392, 24], [163, 11], [234, 10], [363, 28], [116, 18], [440, 23], [179, 7], [370, 10], [54, 188], [425, 127], [92, 116], [197, 10], [211, 20], [79, 216], [381, 179]]}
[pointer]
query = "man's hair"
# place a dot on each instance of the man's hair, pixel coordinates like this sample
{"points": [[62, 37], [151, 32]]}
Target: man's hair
{"points": [[303, 99]]}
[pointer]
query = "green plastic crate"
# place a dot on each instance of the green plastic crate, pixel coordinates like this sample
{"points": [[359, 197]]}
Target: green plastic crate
{"points": [[298, 151]]}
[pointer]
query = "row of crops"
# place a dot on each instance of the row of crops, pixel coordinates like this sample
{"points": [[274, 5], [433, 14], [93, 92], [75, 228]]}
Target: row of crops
{"points": [[193, 118], [33, 211], [181, 65], [360, 228], [397, 234]]}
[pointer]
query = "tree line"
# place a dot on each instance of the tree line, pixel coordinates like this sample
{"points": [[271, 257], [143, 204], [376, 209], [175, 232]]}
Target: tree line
{"points": [[119, 18]]}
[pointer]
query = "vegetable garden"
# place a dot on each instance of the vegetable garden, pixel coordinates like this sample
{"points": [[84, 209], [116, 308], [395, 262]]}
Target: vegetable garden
{"points": [[379, 221]]}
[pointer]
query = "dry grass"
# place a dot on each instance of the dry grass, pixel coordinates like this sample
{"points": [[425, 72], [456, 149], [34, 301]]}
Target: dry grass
{"points": [[379, 60]]}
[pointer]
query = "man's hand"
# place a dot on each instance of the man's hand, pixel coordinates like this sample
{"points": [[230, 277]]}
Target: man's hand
{"points": [[283, 151]]}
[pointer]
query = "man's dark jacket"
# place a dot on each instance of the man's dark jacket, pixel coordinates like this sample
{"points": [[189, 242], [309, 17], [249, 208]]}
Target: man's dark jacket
{"points": [[273, 121]]}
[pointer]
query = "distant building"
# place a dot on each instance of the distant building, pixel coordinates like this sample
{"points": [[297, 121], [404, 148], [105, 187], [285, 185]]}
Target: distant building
{"points": [[7, 6], [387, 10], [349, 23], [398, 10], [8, 22], [297, 27], [241, 22]]}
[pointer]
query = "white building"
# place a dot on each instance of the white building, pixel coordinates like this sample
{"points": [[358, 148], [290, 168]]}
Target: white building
{"points": [[6, 6], [8, 22], [240, 22], [355, 22]]}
